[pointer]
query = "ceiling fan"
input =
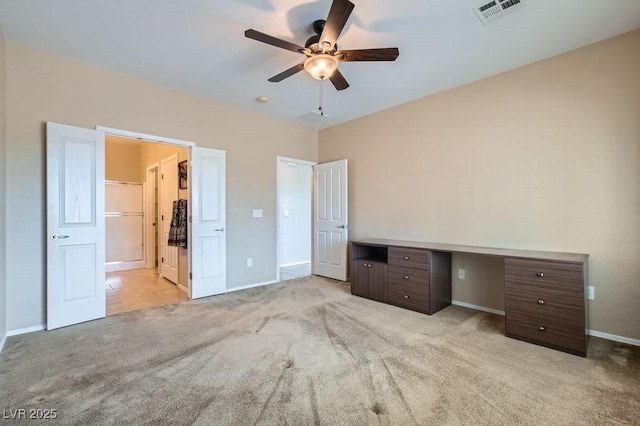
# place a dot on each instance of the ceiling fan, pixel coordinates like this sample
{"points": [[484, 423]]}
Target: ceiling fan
{"points": [[322, 51]]}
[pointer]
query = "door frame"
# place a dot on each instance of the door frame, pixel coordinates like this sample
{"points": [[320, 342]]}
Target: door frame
{"points": [[149, 236], [110, 131], [304, 163]]}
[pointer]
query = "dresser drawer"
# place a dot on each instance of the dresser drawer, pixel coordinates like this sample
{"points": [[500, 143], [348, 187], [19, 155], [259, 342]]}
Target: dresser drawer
{"points": [[408, 257], [410, 295], [543, 301], [409, 276], [565, 276], [555, 332]]}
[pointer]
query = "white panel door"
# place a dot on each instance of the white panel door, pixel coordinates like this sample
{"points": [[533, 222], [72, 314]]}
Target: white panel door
{"points": [[75, 225], [208, 212], [330, 220], [168, 194]]}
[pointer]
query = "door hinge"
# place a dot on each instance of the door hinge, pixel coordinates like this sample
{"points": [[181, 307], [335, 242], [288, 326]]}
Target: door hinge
{"points": [[162, 259], [190, 218], [162, 217], [162, 176], [190, 276]]}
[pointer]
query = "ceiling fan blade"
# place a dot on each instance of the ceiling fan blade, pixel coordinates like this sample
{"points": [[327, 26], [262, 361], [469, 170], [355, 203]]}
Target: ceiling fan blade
{"points": [[337, 19], [384, 54], [265, 38], [288, 73], [338, 80]]}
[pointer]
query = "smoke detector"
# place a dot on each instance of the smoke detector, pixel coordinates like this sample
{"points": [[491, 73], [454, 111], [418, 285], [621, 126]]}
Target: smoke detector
{"points": [[495, 9]]}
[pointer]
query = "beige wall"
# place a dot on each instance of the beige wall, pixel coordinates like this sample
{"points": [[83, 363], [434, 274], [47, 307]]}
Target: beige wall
{"points": [[3, 180], [123, 160], [543, 157], [43, 87]]}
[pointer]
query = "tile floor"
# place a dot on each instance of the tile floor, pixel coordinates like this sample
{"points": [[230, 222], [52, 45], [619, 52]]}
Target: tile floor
{"points": [[295, 271], [138, 289]]}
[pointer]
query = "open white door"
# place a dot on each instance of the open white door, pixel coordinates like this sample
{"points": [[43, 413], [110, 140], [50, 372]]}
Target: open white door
{"points": [[330, 220], [208, 212], [168, 194], [75, 225]]}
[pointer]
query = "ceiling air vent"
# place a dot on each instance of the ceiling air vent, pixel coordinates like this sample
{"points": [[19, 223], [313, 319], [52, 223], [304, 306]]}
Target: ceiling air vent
{"points": [[495, 9]]}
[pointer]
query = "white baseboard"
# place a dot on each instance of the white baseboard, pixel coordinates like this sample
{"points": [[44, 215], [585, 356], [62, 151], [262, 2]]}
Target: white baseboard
{"points": [[124, 266], [26, 330], [244, 287], [2, 342], [477, 307], [614, 337], [294, 264], [593, 333], [183, 288]]}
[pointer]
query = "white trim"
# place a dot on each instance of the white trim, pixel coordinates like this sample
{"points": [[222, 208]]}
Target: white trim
{"points": [[2, 342], [150, 232], [613, 337], [26, 330], [280, 158], [294, 264], [124, 266], [477, 307], [143, 136], [295, 160], [245, 287]]}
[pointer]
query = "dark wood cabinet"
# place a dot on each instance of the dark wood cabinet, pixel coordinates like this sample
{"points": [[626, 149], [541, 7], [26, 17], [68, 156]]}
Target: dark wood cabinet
{"points": [[545, 303], [544, 292], [414, 279], [369, 279]]}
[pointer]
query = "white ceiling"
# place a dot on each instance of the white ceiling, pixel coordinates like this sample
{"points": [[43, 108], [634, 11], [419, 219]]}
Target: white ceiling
{"points": [[199, 46]]}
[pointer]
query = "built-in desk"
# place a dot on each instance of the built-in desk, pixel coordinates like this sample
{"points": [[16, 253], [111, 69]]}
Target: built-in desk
{"points": [[545, 292]]}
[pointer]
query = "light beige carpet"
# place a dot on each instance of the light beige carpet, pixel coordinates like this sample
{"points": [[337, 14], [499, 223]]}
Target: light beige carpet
{"points": [[307, 352]]}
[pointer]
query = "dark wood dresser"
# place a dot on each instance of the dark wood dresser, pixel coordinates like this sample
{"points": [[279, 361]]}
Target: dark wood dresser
{"points": [[545, 292]]}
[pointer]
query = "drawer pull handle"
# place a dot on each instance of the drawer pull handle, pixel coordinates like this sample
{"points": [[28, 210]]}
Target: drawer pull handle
{"points": [[540, 274], [365, 265], [541, 328], [540, 302], [406, 258], [406, 296], [406, 277]]}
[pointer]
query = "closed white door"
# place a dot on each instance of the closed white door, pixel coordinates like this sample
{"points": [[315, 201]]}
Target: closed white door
{"points": [[168, 194], [75, 225], [208, 213], [330, 220]]}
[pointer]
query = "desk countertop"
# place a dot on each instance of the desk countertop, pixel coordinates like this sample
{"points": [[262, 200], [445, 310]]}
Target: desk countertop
{"points": [[489, 251]]}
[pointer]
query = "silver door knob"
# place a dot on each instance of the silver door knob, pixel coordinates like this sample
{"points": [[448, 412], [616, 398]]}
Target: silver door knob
{"points": [[406, 258], [58, 237], [406, 296], [540, 302], [541, 328], [406, 277], [220, 230], [343, 226], [540, 274]]}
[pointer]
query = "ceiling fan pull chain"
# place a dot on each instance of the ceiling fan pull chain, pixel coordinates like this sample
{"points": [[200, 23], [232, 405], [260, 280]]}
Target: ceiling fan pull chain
{"points": [[321, 98]]}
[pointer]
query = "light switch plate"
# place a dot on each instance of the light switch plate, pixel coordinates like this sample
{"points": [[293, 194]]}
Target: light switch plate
{"points": [[461, 274], [591, 292], [257, 212], [285, 213]]}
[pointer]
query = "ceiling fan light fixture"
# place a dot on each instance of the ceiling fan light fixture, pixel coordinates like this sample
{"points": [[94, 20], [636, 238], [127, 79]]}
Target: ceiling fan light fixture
{"points": [[321, 66]]}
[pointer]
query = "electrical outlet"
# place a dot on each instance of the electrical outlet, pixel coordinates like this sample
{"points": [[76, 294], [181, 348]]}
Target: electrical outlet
{"points": [[461, 274], [249, 262], [591, 292]]}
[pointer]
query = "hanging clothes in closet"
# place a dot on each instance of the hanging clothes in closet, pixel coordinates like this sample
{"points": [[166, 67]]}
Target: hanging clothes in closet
{"points": [[178, 228]]}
